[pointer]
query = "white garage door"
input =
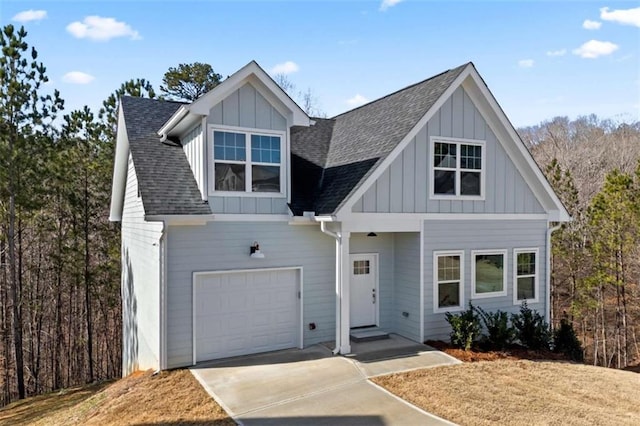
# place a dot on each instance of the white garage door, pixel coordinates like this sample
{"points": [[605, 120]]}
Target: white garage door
{"points": [[240, 313]]}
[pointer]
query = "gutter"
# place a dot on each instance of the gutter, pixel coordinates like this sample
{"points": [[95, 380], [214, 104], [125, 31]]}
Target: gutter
{"points": [[548, 272], [173, 121], [338, 237]]}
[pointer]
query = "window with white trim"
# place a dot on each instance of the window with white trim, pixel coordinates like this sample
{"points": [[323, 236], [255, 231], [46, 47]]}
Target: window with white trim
{"points": [[448, 278], [525, 280], [247, 162], [488, 273], [457, 168]]}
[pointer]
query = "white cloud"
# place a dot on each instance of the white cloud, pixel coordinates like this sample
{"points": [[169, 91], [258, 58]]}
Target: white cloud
{"points": [[101, 29], [594, 48], [30, 15], [386, 4], [560, 52], [77, 77], [525, 63], [622, 16], [357, 100], [288, 67], [591, 25]]}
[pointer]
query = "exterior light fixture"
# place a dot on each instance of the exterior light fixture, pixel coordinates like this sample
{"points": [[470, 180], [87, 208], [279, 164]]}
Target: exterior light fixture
{"points": [[255, 251], [372, 234]]}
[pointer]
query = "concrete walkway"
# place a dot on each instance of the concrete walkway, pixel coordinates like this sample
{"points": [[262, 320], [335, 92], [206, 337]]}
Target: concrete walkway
{"points": [[313, 387]]}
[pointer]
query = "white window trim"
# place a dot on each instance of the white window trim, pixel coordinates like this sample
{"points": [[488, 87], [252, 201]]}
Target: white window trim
{"points": [[248, 178], [536, 281], [460, 141], [436, 308], [476, 295]]}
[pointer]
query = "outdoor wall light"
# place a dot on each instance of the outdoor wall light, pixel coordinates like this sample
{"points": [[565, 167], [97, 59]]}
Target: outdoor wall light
{"points": [[255, 251], [372, 234]]}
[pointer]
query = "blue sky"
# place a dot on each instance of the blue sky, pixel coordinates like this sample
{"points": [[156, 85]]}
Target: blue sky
{"points": [[539, 58]]}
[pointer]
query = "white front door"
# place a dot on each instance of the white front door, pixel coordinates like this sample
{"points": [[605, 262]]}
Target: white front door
{"points": [[363, 297]]}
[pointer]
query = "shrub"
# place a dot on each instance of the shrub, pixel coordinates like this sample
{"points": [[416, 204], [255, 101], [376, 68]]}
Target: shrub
{"points": [[465, 327], [531, 329], [499, 333], [566, 342]]}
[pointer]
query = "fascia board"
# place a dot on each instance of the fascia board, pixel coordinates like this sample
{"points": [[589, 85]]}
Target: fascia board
{"points": [[120, 167]]}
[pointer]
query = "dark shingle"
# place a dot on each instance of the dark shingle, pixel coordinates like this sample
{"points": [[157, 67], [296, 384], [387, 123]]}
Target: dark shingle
{"points": [[166, 183]]}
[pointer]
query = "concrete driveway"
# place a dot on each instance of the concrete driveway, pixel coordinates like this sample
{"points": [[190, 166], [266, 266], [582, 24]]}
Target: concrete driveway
{"points": [[313, 387]]}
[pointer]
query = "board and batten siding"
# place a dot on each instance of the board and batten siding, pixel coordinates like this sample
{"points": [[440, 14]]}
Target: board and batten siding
{"points": [[407, 285], [220, 246], [140, 278], [247, 108], [194, 149], [404, 186], [382, 245], [468, 235]]}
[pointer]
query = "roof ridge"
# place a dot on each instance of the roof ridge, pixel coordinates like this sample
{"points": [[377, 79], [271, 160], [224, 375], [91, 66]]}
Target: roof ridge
{"points": [[401, 90], [169, 101]]}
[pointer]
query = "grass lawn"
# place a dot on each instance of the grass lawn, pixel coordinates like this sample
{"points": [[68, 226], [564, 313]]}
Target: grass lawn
{"points": [[173, 397], [515, 392]]}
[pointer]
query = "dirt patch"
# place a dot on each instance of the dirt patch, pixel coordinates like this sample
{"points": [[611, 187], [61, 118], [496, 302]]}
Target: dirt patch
{"points": [[170, 397], [515, 392], [476, 355]]}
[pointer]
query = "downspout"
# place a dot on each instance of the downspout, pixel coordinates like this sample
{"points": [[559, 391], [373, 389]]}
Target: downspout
{"points": [[338, 238], [548, 274], [162, 259]]}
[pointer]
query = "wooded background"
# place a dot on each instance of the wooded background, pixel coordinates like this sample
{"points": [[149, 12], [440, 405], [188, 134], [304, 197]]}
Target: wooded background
{"points": [[60, 319]]}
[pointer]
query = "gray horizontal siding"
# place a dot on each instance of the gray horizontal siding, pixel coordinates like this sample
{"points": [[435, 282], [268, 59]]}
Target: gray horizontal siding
{"points": [[140, 282], [225, 246], [407, 285], [383, 246], [246, 107], [479, 235], [404, 186]]}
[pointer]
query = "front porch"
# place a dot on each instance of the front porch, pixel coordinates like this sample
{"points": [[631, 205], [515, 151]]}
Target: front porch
{"points": [[381, 287]]}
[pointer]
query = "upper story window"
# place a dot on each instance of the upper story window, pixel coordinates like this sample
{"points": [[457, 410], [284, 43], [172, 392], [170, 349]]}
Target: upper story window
{"points": [[247, 162], [458, 168]]}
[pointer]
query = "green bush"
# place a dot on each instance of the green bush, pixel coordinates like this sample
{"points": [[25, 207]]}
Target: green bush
{"points": [[500, 333], [531, 329], [465, 327], [566, 342]]}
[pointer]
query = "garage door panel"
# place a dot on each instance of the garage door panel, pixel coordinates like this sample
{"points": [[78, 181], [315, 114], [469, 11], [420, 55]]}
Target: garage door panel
{"points": [[247, 312]]}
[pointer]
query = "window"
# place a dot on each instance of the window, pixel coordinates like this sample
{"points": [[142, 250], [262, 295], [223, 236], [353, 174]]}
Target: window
{"points": [[525, 279], [361, 267], [448, 281], [488, 273], [457, 168], [247, 162]]}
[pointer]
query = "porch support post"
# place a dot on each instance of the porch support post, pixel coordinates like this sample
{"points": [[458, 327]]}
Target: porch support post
{"points": [[345, 278]]}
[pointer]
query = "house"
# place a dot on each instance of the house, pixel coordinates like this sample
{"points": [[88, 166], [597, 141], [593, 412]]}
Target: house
{"points": [[248, 226]]}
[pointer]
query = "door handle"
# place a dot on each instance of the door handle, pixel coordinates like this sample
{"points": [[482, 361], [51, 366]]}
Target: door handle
{"points": [[373, 296]]}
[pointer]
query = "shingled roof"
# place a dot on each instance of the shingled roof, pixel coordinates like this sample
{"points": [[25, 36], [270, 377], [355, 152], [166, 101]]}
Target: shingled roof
{"points": [[347, 148], [167, 185], [329, 160]]}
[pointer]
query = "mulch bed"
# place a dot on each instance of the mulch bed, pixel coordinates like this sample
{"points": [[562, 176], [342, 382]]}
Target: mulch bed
{"points": [[512, 353]]}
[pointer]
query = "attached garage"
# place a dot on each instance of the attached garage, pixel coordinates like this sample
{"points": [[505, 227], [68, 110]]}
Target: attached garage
{"points": [[246, 312]]}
